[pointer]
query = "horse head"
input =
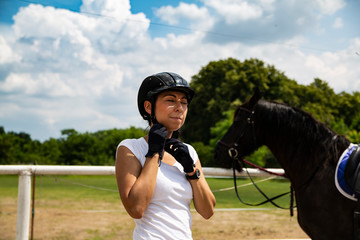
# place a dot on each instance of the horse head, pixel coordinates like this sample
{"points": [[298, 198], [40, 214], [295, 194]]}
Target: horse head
{"points": [[240, 139]]}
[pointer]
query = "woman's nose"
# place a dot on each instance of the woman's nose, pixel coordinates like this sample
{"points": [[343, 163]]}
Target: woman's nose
{"points": [[179, 106]]}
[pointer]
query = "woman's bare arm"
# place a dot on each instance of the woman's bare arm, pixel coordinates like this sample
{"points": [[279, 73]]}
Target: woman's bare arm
{"points": [[136, 184], [204, 199]]}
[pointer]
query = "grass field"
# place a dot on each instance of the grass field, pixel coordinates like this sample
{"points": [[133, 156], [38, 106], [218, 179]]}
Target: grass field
{"points": [[89, 207]]}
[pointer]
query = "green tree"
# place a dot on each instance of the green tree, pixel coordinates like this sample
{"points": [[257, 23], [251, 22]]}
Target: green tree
{"points": [[222, 83], [77, 149], [6, 147], [97, 148], [348, 106], [50, 152]]}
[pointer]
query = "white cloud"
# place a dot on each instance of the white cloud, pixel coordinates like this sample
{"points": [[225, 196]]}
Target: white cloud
{"points": [[118, 10], [189, 16], [48, 84], [173, 15], [7, 54], [267, 20], [337, 68], [71, 52], [329, 7], [234, 11]]}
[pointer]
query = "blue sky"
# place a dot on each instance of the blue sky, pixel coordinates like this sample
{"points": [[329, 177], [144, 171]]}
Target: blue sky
{"points": [[78, 64]]}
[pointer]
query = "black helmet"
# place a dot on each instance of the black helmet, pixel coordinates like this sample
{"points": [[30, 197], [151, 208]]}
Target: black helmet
{"points": [[154, 84]]}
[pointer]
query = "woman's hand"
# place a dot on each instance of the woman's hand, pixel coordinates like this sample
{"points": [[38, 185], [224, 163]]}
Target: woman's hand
{"points": [[156, 141], [181, 153]]}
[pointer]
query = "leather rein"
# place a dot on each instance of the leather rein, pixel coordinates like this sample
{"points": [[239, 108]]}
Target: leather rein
{"points": [[234, 155]]}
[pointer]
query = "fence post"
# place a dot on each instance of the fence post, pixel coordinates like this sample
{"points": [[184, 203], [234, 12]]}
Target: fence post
{"points": [[23, 206]]}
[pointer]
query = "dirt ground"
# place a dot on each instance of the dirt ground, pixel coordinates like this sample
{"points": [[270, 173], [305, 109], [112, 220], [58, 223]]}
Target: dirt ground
{"points": [[104, 221]]}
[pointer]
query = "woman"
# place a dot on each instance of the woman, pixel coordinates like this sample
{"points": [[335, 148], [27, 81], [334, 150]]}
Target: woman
{"points": [[157, 175]]}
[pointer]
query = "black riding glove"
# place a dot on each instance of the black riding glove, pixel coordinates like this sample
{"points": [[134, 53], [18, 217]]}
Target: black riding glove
{"points": [[181, 153], [156, 141]]}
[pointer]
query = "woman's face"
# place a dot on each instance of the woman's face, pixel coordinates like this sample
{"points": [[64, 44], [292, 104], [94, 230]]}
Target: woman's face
{"points": [[171, 109]]}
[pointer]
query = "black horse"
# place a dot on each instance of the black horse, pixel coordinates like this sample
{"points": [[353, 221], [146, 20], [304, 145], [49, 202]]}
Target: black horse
{"points": [[307, 150]]}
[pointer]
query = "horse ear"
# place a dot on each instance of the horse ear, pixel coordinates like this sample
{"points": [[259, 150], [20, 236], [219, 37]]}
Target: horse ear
{"points": [[255, 97]]}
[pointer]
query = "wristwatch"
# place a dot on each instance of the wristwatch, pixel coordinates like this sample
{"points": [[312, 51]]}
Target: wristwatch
{"points": [[195, 176]]}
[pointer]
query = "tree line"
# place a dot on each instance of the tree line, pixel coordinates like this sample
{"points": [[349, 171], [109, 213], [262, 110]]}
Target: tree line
{"points": [[220, 86], [72, 148]]}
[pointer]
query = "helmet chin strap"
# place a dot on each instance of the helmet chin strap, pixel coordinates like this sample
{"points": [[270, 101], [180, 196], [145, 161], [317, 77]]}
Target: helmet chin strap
{"points": [[152, 116], [153, 120]]}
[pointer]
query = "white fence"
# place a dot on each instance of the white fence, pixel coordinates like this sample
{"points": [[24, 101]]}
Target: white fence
{"points": [[26, 171]]}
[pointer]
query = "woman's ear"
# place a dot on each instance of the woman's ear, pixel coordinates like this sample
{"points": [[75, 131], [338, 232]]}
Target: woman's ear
{"points": [[147, 107]]}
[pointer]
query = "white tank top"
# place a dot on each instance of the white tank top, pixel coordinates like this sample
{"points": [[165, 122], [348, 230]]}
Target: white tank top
{"points": [[168, 214]]}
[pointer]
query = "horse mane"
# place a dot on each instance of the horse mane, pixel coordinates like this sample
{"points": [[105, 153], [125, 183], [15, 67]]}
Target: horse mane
{"points": [[290, 117], [297, 128]]}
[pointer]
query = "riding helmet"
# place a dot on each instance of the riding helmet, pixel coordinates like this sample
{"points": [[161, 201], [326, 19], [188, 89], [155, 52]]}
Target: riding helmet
{"points": [[157, 83]]}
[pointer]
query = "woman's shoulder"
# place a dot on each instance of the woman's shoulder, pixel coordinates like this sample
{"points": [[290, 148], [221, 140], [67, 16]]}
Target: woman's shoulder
{"points": [[190, 147], [137, 146], [132, 142]]}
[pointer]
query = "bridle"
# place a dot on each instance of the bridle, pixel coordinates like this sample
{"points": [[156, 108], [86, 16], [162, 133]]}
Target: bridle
{"points": [[236, 157], [232, 149]]}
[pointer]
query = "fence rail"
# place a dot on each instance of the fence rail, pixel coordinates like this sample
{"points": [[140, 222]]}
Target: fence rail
{"points": [[26, 171], [110, 170]]}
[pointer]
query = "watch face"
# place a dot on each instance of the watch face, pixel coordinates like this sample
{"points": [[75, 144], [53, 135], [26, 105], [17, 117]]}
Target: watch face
{"points": [[195, 176], [197, 173]]}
